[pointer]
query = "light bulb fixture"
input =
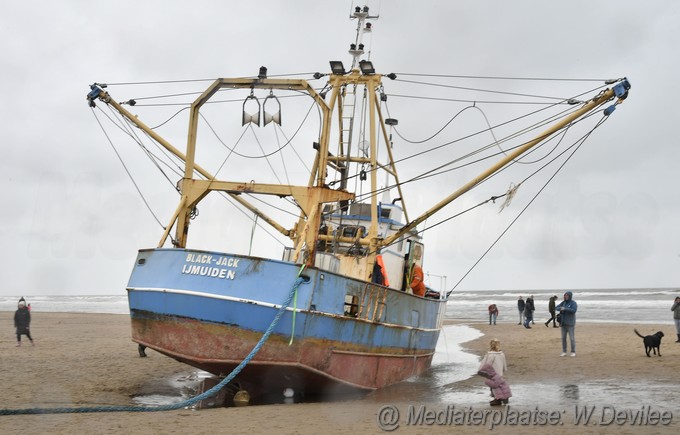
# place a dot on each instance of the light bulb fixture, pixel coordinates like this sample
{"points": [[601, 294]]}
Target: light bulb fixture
{"points": [[337, 67], [366, 67]]}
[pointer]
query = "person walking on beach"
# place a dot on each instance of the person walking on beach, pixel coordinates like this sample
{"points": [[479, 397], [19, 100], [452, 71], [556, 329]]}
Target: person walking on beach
{"points": [[567, 309], [676, 316], [551, 310], [22, 322], [493, 314], [529, 312], [520, 308]]}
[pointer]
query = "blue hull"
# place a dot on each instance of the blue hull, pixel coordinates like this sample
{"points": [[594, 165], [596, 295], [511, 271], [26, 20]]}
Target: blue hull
{"points": [[209, 309]]}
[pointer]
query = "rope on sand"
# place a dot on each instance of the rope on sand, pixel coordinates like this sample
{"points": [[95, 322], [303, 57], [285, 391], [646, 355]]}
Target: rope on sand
{"points": [[211, 392]]}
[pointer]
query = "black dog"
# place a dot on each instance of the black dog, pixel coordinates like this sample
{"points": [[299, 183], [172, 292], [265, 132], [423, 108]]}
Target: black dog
{"points": [[652, 342]]}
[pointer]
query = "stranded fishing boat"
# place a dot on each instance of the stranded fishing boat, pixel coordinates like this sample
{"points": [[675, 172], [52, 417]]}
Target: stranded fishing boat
{"points": [[358, 320]]}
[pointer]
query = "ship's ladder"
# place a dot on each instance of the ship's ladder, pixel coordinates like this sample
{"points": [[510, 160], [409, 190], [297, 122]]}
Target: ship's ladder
{"points": [[349, 101]]}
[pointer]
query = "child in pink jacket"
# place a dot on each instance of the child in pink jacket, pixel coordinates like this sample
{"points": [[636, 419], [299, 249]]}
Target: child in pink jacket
{"points": [[500, 388]]}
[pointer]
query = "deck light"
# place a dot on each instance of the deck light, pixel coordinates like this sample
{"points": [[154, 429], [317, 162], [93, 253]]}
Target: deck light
{"points": [[366, 67], [337, 67]]}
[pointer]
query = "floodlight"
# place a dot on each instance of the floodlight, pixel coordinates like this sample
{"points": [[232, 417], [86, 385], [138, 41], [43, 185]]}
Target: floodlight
{"points": [[366, 67], [337, 67]]}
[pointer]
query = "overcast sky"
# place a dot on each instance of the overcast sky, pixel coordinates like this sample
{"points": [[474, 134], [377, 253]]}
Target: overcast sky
{"points": [[72, 221]]}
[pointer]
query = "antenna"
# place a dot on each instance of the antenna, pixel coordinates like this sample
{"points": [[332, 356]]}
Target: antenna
{"points": [[356, 49]]}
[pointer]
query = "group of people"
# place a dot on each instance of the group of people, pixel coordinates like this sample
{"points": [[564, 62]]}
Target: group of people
{"points": [[526, 311], [564, 313], [494, 365]]}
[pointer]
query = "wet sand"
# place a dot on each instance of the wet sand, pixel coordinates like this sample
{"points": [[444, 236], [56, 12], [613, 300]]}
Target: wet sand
{"points": [[83, 360]]}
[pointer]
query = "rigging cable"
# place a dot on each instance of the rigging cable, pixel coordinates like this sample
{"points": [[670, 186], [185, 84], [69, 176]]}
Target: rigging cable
{"points": [[464, 88], [264, 155], [169, 119], [580, 143], [432, 172], [124, 128], [547, 107], [283, 161], [127, 171], [151, 156], [503, 78], [164, 82], [494, 198], [154, 159]]}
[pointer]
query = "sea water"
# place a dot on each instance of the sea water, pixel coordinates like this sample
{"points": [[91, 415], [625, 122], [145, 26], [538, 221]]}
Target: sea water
{"points": [[106, 304], [632, 306]]}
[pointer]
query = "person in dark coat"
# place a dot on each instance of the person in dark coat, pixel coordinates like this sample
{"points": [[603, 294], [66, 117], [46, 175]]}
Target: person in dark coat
{"points": [[551, 310], [520, 308], [22, 322], [567, 309], [529, 312], [499, 387]]}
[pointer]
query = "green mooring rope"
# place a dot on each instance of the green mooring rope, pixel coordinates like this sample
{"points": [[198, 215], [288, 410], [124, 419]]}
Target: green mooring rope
{"points": [[211, 392]]}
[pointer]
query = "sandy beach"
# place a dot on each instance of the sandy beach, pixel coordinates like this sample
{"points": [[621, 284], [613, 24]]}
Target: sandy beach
{"points": [[86, 360]]}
